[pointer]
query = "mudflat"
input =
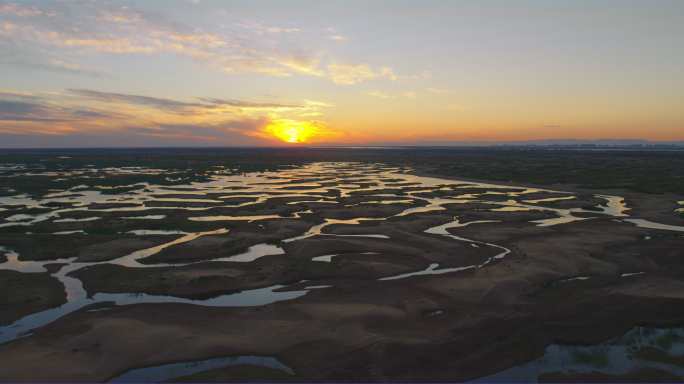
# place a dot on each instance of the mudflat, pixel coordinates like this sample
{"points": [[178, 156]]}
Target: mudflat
{"points": [[335, 271]]}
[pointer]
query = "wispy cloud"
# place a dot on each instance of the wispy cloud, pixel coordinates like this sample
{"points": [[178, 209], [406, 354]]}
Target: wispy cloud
{"points": [[338, 38], [22, 57], [19, 10], [334, 35], [79, 28], [248, 104], [261, 28], [12, 110], [204, 103], [86, 113], [166, 104], [30, 34], [14, 95], [17, 107], [222, 132], [380, 94], [386, 96], [439, 91], [348, 74]]}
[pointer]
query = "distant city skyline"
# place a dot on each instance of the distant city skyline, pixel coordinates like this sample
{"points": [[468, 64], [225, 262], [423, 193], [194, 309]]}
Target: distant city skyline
{"points": [[264, 73]]}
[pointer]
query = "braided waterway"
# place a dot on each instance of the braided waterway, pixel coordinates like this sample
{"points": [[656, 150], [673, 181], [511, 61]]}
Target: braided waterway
{"points": [[324, 184]]}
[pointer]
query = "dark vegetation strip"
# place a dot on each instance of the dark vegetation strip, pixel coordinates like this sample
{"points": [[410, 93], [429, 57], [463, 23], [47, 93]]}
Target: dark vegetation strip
{"points": [[650, 171]]}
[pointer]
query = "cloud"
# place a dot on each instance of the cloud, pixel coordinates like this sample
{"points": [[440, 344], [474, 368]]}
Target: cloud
{"points": [[80, 28], [123, 16], [348, 74], [11, 110], [438, 91], [47, 64], [130, 139], [91, 115], [317, 104], [18, 107], [31, 35], [266, 29], [424, 75], [201, 106], [282, 30], [380, 95], [221, 132], [12, 95], [111, 97], [384, 95], [30, 108], [388, 73], [19, 10], [247, 104], [302, 64], [332, 34]]}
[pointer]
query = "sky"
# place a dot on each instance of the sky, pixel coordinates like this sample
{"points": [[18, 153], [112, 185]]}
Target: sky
{"points": [[263, 73]]}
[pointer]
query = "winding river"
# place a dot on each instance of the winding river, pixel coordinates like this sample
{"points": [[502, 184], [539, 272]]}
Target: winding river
{"points": [[317, 182]]}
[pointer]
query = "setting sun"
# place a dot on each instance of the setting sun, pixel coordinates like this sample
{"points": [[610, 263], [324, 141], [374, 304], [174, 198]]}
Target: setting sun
{"points": [[292, 131]]}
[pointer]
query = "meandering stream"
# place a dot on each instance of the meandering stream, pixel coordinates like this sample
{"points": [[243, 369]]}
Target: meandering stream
{"points": [[318, 182]]}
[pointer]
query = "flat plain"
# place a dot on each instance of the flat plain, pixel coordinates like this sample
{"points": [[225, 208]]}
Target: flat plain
{"points": [[322, 264]]}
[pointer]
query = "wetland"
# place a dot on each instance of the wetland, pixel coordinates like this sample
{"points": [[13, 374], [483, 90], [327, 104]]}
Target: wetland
{"points": [[335, 264]]}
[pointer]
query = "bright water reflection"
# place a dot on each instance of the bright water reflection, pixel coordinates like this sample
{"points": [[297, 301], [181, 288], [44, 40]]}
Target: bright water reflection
{"points": [[314, 185]]}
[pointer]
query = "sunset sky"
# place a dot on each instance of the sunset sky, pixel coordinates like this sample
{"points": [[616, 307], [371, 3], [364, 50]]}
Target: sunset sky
{"points": [[236, 73]]}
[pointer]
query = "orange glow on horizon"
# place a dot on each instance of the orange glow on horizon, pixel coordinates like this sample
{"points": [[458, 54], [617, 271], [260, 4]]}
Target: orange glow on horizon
{"points": [[292, 131]]}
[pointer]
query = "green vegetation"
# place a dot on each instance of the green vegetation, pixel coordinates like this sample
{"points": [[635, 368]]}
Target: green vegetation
{"points": [[640, 171], [651, 171]]}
